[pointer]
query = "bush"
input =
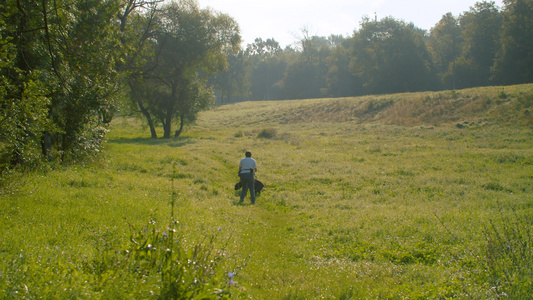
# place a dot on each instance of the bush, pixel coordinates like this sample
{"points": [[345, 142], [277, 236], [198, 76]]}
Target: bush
{"points": [[267, 133]]}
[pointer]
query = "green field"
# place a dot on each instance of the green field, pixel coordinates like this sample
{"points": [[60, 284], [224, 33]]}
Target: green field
{"points": [[408, 196]]}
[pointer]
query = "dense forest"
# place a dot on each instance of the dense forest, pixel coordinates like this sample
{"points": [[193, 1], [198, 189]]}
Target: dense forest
{"points": [[68, 67], [486, 45]]}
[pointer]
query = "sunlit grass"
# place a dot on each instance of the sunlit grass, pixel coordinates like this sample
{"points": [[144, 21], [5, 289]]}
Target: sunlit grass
{"points": [[360, 205]]}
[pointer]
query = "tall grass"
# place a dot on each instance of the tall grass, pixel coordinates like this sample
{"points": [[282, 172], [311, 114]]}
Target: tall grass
{"points": [[357, 204], [509, 255]]}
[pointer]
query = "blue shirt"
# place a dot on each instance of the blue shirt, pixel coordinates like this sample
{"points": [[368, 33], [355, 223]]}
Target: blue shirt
{"points": [[247, 164]]}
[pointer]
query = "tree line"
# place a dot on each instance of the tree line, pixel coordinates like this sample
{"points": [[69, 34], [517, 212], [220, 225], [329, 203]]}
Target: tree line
{"points": [[485, 45], [68, 66]]}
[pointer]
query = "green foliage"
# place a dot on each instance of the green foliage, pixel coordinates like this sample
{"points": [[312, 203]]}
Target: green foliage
{"points": [[190, 43], [23, 106], [232, 81], [515, 46], [391, 56], [444, 44], [59, 77], [480, 37], [83, 103], [23, 101]]}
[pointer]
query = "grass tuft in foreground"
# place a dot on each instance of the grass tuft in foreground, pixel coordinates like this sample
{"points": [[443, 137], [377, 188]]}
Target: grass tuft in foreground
{"points": [[509, 255]]}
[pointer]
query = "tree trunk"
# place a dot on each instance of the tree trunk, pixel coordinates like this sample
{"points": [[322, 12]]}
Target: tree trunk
{"points": [[107, 116], [170, 110], [17, 155], [65, 143], [167, 125], [180, 130], [46, 145], [69, 138], [146, 114]]}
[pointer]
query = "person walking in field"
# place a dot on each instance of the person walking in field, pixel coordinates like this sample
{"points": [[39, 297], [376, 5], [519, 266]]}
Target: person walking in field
{"points": [[247, 169]]}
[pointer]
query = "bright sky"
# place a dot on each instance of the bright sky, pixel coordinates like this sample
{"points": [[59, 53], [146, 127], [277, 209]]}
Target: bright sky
{"points": [[284, 20]]}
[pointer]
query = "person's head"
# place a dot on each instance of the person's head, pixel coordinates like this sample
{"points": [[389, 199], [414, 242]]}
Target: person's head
{"points": [[248, 153]]}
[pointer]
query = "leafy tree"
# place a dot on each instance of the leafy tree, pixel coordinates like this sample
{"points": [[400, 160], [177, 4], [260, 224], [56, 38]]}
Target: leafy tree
{"points": [[306, 76], [23, 101], [85, 71], [259, 47], [62, 74], [300, 81], [340, 80], [232, 82], [516, 54], [391, 56], [480, 34], [190, 44], [267, 67], [337, 40], [137, 35], [444, 44]]}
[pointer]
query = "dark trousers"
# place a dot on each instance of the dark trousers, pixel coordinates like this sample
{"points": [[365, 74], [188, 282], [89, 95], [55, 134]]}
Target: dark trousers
{"points": [[247, 180]]}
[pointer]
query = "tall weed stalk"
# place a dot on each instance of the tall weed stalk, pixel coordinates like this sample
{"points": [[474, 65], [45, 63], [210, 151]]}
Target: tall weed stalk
{"points": [[185, 273], [509, 256]]}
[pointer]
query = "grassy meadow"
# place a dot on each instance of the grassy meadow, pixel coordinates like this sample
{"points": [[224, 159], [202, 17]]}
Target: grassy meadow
{"points": [[407, 196]]}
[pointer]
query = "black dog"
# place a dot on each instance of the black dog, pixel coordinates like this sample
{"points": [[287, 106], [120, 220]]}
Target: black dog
{"points": [[258, 186]]}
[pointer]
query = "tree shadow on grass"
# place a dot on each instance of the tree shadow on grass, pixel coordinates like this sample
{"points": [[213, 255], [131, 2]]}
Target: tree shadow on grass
{"points": [[172, 142]]}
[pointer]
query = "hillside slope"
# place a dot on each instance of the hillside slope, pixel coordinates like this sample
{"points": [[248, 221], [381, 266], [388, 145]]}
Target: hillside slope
{"points": [[509, 105]]}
